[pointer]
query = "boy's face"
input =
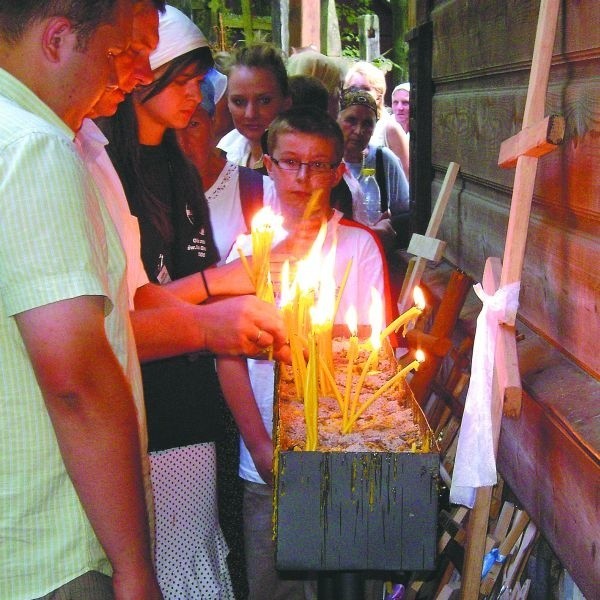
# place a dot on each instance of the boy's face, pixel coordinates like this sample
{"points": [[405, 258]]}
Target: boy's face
{"points": [[296, 187]]}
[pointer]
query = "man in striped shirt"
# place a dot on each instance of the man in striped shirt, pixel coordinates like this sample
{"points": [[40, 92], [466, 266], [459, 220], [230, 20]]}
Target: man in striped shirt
{"points": [[72, 509]]}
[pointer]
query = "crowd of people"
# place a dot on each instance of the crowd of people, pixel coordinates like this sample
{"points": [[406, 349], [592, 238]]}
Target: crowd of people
{"points": [[131, 164]]}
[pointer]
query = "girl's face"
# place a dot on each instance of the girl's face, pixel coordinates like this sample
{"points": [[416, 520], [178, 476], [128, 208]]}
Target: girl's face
{"points": [[174, 106], [357, 124], [254, 99]]}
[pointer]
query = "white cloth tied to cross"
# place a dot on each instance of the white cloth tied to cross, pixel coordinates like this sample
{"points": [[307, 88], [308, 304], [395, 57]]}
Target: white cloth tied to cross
{"points": [[475, 462]]}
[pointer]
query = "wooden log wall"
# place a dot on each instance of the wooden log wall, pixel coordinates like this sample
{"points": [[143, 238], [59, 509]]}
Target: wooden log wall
{"points": [[481, 62]]}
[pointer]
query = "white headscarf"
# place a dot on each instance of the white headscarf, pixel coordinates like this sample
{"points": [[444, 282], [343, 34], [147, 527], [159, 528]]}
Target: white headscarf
{"points": [[177, 35]]}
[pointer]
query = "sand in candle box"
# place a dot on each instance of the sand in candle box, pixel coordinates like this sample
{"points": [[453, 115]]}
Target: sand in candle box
{"points": [[392, 423], [362, 501]]}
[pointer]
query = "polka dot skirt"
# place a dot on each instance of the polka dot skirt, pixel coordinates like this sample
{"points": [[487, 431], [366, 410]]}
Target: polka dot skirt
{"points": [[191, 552]]}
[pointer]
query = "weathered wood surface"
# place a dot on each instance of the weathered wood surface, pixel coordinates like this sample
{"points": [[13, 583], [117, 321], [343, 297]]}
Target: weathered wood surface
{"points": [[550, 456], [481, 61], [561, 281], [478, 38]]}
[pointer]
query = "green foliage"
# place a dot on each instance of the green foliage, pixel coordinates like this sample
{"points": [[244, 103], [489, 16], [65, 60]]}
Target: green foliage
{"points": [[348, 14]]}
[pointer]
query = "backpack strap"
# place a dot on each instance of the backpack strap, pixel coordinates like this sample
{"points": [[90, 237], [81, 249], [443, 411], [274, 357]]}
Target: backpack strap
{"points": [[251, 193], [381, 180]]}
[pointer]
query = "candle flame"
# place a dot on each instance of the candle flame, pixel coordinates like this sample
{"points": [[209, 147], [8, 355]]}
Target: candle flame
{"points": [[420, 355], [265, 218], [309, 268], [376, 318], [419, 297], [352, 320]]}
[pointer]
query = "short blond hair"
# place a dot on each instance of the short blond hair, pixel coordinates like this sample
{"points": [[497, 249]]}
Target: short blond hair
{"points": [[373, 75], [324, 68]]}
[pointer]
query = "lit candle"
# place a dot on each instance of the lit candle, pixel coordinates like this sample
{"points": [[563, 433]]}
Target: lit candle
{"points": [[414, 365], [408, 316], [376, 318], [238, 245], [352, 322], [264, 225]]}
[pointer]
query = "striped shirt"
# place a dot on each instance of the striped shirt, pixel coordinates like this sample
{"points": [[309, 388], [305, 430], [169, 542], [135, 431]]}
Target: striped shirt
{"points": [[56, 243]]}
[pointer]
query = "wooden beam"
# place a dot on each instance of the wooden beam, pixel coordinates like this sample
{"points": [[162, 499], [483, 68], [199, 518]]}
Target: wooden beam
{"points": [[415, 270], [536, 140], [305, 23], [426, 247], [507, 361]]}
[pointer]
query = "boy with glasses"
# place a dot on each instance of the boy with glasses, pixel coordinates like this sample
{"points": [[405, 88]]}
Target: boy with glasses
{"points": [[305, 148]]}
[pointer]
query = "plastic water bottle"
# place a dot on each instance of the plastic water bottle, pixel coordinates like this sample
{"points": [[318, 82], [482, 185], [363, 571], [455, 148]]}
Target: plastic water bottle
{"points": [[369, 211]]}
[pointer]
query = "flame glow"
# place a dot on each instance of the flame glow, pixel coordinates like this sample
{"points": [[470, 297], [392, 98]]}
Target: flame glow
{"points": [[419, 297], [265, 218]]}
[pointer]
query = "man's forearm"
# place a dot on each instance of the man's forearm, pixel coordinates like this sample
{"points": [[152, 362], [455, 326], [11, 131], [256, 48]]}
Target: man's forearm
{"points": [[97, 432], [90, 404]]}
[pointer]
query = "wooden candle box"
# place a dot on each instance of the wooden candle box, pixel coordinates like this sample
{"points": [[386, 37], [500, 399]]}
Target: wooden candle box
{"points": [[357, 510]]}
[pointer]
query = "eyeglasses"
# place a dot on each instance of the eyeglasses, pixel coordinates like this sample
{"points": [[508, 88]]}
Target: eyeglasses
{"points": [[313, 166]]}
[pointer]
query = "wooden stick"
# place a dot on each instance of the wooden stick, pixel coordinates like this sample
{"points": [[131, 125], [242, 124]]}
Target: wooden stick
{"points": [[412, 280], [536, 140], [507, 362]]}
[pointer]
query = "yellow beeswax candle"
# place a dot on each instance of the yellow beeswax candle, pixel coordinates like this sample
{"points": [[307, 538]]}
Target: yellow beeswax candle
{"points": [[408, 316], [414, 365], [352, 321]]}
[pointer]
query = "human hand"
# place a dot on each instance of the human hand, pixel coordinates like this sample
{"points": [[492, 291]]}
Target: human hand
{"points": [[230, 279], [244, 325]]}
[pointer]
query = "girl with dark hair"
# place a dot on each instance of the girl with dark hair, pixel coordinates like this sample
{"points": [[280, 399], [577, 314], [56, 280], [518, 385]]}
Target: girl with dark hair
{"points": [[182, 393]]}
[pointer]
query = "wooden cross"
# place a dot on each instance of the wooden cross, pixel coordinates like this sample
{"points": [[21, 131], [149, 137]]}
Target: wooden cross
{"points": [[524, 149], [427, 247]]}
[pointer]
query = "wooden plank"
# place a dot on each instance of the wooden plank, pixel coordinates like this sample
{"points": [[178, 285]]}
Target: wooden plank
{"points": [[507, 363], [559, 272], [507, 29], [304, 23], [237, 22], [426, 247], [512, 263], [557, 481], [368, 37], [413, 275], [537, 140]]}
